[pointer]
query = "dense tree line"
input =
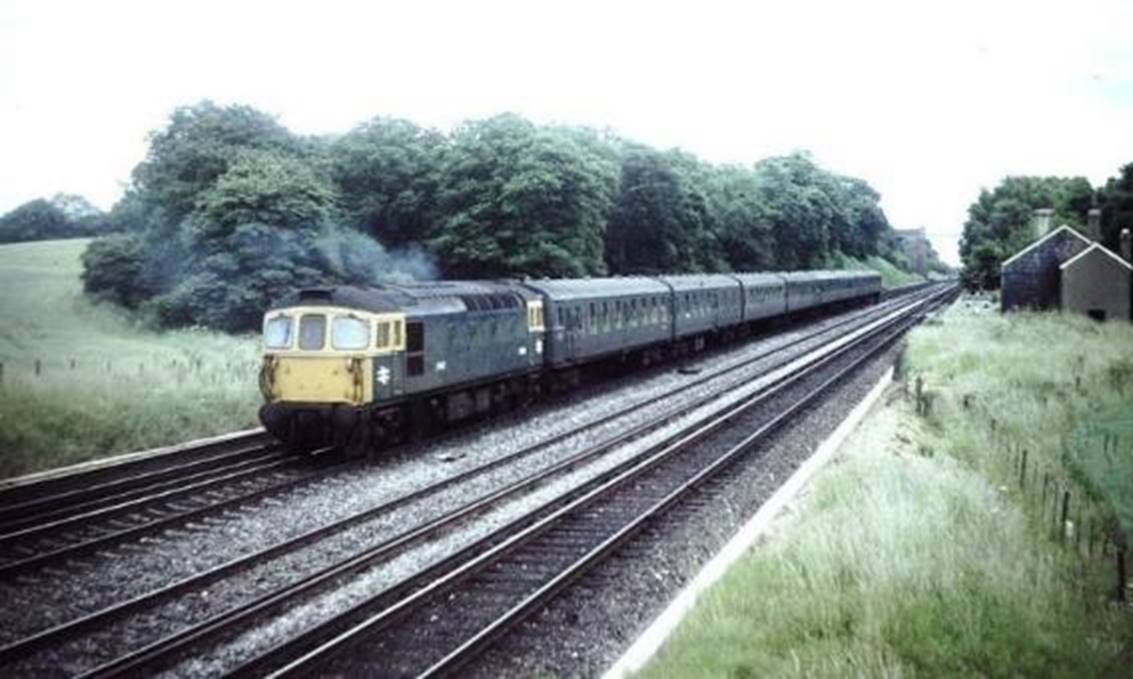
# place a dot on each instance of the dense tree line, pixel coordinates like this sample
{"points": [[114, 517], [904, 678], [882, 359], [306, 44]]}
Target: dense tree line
{"points": [[229, 209], [61, 216], [1000, 221]]}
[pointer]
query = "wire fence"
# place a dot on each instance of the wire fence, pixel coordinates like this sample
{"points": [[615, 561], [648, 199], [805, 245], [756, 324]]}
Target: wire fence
{"points": [[1079, 518], [179, 370]]}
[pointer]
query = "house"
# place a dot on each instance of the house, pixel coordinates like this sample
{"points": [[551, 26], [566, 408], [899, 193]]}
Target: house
{"points": [[1096, 282], [1065, 270], [1031, 278]]}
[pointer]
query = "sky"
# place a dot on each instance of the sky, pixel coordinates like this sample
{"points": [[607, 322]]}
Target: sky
{"points": [[927, 101]]}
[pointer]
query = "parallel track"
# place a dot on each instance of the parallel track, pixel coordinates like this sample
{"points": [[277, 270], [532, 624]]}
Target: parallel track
{"points": [[134, 488], [438, 620], [162, 652]]}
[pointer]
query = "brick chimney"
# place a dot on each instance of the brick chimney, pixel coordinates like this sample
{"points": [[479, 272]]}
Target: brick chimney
{"points": [[1127, 245], [1043, 218]]}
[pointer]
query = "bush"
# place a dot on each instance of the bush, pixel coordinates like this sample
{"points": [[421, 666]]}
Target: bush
{"points": [[113, 268]]}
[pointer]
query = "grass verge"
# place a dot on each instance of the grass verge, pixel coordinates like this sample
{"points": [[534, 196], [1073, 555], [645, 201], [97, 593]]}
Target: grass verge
{"points": [[81, 380], [918, 553], [891, 276]]}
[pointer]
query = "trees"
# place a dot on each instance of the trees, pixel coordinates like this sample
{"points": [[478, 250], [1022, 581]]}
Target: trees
{"points": [[386, 172], [799, 209], [1116, 201], [517, 200], [999, 221], [742, 219], [196, 148], [229, 210], [263, 187], [663, 220], [63, 216]]}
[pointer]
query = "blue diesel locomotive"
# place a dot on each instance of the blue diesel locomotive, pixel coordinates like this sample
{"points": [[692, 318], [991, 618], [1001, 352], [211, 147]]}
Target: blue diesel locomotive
{"points": [[355, 367]]}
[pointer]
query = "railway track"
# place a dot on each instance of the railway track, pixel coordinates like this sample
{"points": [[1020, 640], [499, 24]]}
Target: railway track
{"points": [[167, 650], [434, 622], [70, 521], [74, 514]]}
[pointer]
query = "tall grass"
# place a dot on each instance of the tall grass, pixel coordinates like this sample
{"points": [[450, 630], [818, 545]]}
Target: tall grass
{"points": [[82, 379], [919, 554], [1101, 453]]}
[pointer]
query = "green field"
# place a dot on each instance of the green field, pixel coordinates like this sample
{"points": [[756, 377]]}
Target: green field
{"points": [[919, 554], [105, 384]]}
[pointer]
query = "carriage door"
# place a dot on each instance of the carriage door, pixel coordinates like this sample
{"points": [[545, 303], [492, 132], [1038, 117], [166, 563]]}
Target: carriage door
{"points": [[571, 322], [414, 349]]}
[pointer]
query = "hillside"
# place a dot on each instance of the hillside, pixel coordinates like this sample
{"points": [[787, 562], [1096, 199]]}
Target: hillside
{"points": [[103, 384]]}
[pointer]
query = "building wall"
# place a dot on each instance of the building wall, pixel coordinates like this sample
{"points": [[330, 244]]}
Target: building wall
{"points": [[1097, 281], [1032, 280]]}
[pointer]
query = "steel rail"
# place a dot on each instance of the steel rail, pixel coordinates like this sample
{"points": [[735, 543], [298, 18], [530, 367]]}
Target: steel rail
{"points": [[116, 475], [482, 557], [46, 511], [472, 647], [179, 641], [116, 535]]}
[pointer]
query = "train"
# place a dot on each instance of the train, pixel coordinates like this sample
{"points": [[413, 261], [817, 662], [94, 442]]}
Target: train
{"points": [[356, 368]]}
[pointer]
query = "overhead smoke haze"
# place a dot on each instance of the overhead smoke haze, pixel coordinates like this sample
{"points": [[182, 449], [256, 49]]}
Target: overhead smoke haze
{"points": [[364, 261]]}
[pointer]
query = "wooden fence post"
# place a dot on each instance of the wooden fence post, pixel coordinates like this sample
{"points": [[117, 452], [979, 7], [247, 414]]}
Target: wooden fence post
{"points": [[1121, 574]]}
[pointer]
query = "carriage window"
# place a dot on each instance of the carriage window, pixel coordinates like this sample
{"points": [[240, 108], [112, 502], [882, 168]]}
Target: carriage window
{"points": [[277, 333], [383, 339], [396, 334], [348, 332], [312, 331]]}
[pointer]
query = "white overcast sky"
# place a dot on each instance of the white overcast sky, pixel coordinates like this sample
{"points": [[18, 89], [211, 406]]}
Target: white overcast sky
{"points": [[928, 101]]}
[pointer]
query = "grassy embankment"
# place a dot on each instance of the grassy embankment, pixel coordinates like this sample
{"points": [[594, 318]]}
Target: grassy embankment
{"points": [[919, 553], [105, 384], [891, 276]]}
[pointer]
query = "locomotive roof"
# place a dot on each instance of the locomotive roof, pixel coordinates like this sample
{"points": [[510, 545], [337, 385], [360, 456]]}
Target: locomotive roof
{"points": [[563, 289], [419, 297], [378, 300]]}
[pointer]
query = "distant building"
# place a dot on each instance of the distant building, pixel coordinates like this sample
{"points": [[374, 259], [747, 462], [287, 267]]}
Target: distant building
{"points": [[1065, 270]]}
